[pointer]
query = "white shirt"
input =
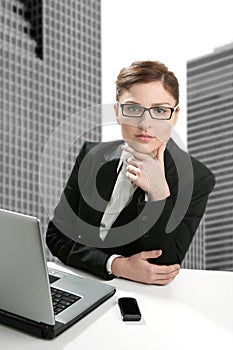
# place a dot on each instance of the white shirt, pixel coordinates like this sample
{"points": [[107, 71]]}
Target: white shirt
{"points": [[103, 230]]}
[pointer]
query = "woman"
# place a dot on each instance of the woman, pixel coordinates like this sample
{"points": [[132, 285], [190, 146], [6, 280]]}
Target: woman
{"points": [[140, 231]]}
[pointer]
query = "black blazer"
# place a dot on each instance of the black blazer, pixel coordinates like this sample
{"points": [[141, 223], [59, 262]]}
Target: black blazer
{"points": [[73, 233]]}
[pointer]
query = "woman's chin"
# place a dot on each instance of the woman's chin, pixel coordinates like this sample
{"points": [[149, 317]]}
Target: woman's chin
{"points": [[143, 147]]}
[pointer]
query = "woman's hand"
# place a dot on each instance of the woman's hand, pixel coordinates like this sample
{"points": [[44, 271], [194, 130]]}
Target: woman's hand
{"points": [[137, 268], [148, 173]]}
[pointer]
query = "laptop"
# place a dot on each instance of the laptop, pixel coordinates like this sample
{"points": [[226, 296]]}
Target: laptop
{"points": [[34, 298]]}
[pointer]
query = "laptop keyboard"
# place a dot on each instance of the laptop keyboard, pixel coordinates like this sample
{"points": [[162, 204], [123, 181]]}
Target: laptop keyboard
{"points": [[62, 300]]}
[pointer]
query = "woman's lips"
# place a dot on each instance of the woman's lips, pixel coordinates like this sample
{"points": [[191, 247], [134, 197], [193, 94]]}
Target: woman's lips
{"points": [[144, 137]]}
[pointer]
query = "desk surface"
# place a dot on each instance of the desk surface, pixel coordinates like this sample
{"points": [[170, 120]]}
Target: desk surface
{"points": [[195, 311]]}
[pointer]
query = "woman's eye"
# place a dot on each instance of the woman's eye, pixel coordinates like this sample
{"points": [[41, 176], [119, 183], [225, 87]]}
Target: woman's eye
{"points": [[133, 108], [160, 110]]}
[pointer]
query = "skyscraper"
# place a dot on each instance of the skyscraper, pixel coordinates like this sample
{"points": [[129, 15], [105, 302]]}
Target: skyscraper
{"points": [[50, 53], [210, 139]]}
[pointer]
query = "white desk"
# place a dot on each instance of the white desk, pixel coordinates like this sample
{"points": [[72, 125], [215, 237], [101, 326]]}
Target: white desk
{"points": [[195, 311]]}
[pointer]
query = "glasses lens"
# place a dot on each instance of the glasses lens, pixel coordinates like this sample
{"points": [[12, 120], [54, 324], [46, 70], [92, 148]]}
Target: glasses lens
{"points": [[132, 110], [161, 112]]}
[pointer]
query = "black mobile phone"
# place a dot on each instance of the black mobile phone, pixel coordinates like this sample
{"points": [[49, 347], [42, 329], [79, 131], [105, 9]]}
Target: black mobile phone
{"points": [[129, 309]]}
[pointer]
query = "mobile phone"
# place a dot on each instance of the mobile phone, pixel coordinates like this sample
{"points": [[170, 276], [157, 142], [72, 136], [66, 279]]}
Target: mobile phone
{"points": [[129, 309]]}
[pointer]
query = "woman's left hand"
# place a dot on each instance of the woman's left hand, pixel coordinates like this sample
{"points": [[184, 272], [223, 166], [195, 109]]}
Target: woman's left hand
{"points": [[148, 173]]}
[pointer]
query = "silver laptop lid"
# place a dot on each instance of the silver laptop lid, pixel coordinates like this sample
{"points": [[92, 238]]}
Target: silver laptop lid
{"points": [[24, 286]]}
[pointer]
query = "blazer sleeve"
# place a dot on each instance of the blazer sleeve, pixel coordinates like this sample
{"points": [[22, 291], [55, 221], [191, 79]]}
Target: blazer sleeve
{"points": [[175, 244], [72, 253], [185, 231]]}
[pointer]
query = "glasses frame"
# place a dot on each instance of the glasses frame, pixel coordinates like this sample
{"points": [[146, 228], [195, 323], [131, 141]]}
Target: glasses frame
{"points": [[146, 109]]}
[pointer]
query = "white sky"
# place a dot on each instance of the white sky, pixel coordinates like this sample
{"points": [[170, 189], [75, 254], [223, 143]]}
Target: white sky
{"points": [[170, 31]]}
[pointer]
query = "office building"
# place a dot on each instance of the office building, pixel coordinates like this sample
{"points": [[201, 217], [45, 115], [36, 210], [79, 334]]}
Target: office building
{"points": [[50, 53], [210, 139]]}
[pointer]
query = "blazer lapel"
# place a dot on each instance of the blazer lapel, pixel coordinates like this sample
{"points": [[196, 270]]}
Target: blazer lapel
{"points": [[106, 179], [104, 166]]}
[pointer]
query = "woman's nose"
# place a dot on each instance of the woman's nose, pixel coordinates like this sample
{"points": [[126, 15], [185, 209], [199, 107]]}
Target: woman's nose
{"points": [[145, 122]]}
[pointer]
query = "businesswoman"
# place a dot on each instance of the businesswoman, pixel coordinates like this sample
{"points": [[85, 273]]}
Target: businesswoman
{"points": [[131, 207]]}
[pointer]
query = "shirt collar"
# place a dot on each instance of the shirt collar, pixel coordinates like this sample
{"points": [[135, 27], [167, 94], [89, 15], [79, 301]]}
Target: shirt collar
{"points": [[117, 153], [124, 155]]}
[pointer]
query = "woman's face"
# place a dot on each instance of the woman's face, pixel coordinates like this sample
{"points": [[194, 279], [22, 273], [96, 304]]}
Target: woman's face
{"points": [[145, 134]]}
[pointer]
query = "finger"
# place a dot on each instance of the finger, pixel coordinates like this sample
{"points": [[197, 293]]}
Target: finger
{"points": [[162, 282], [150, 254], [127, 148], [133, 169], [167, 269], [133, 161], [132, 177], [164, 279], [172, 274], [135, 154], [160, 153]]}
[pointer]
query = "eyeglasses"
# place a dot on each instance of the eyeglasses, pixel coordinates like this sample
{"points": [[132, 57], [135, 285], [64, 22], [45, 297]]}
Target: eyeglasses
{"points": [[133, 110]]}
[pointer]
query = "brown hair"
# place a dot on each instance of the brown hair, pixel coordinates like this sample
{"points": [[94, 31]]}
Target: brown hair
{"points": [[146, 72]]}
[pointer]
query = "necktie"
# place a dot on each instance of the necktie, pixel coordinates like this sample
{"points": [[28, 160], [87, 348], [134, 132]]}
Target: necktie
{"points": [[122, 191]]}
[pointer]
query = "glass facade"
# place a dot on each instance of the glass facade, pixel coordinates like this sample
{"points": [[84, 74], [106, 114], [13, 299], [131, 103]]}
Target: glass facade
{"points": [[210, 139], [50, 52]]}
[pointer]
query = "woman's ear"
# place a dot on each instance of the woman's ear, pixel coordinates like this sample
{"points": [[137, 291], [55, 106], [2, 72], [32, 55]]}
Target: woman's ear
{"points": [[175, 116], [116, 109]]}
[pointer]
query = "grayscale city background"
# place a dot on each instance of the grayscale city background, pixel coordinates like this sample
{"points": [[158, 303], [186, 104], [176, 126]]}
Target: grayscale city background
{"points": [[50, 55]]}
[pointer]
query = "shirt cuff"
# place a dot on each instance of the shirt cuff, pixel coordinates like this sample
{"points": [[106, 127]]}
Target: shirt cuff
{"points": [[109, 262]]}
